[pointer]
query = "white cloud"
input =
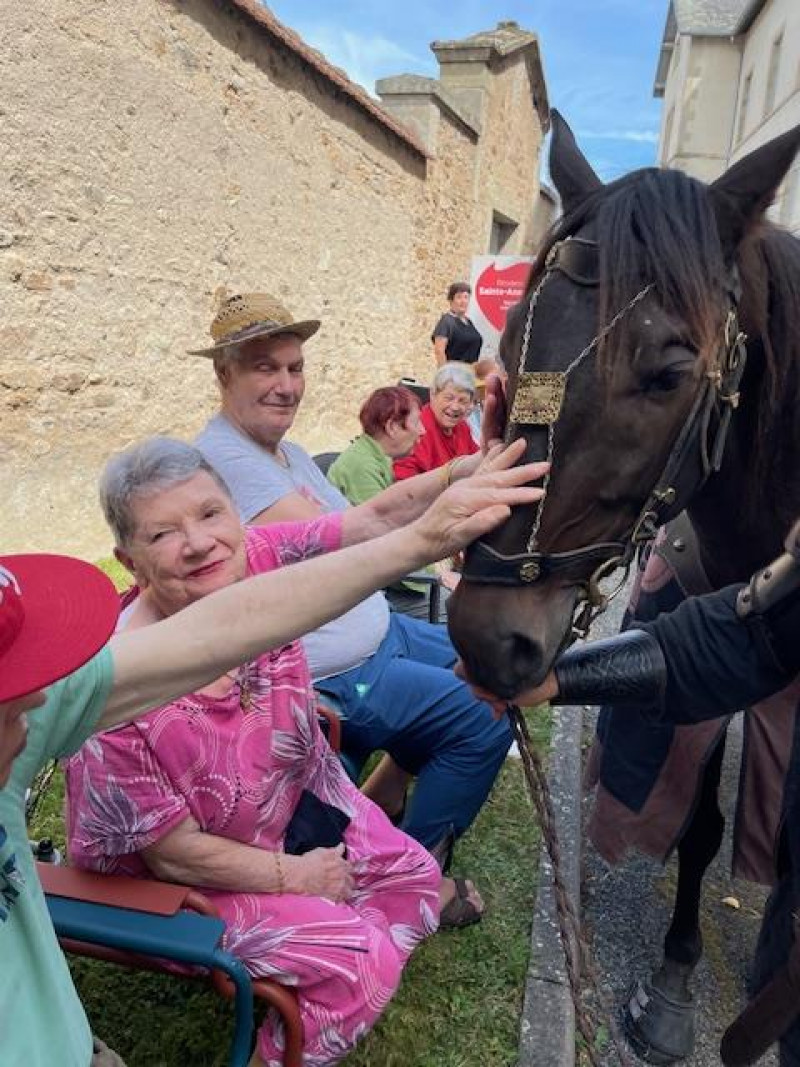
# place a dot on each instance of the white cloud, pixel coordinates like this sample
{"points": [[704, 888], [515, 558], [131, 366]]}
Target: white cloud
{"points": [[643, 136], [365, 58]]}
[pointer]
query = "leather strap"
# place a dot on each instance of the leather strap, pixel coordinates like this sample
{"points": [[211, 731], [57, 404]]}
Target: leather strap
{"points": [[766, 1018], [681, 551], [489, 566], [578, 259], [775, 582]]}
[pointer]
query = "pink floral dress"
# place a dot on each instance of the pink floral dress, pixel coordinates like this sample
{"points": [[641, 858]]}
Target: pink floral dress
{"points": [[239, 773]]}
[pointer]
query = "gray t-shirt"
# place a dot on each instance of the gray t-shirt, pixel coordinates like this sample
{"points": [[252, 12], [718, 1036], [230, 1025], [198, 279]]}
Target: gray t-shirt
{"points": [[257, 481]]}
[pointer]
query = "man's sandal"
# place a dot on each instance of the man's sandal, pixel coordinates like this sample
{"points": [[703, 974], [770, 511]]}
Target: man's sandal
{"points": [[459, 911]]}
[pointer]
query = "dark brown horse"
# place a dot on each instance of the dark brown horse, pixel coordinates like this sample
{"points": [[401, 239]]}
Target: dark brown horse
{"points": [[626, 368]]}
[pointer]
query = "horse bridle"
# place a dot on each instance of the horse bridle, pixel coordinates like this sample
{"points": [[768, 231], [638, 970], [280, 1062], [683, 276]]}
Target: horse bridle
{"points": [[696, 453]]}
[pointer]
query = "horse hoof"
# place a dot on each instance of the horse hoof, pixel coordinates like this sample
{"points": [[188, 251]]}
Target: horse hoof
{"points": [[659, 1029]]}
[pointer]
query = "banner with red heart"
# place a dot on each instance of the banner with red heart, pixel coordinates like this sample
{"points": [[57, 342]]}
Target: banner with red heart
{"points": [[497, 288], [498, 283]]}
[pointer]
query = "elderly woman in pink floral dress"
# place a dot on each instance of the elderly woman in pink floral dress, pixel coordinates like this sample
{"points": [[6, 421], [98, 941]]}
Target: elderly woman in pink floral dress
{"points": [[201, 791]]}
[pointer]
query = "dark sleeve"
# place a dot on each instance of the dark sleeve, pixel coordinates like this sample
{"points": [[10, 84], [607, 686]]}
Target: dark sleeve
{"points": [[716, 663], [444, 327]]}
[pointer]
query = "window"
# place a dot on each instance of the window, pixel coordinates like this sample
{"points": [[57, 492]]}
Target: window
{"points": [[502, 231], [745, 100], [772, 75]]}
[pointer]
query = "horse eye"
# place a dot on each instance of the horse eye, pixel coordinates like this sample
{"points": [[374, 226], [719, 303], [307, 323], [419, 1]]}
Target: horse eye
{"points": [[664, 381], [677, 360]]}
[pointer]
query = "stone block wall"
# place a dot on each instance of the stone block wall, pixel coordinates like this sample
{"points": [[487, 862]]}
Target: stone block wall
{"points": [[157, 156]]}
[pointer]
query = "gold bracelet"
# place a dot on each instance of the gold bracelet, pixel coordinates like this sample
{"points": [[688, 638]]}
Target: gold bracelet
{"points": [[447, 472], [279, 869]]}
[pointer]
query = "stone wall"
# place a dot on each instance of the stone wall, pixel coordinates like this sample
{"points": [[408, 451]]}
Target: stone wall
{"points": [[158, 155]]}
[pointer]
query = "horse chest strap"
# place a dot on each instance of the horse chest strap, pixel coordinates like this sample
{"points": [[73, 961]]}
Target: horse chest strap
{"points": [[538, 398]]}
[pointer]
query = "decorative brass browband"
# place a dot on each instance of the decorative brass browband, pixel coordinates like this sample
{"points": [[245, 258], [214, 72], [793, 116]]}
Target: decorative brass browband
{"points": [[538, 398]]}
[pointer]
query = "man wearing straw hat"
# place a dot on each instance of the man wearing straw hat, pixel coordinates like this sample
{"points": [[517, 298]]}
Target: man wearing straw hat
{"points": [[390, 675], [62, 679]]}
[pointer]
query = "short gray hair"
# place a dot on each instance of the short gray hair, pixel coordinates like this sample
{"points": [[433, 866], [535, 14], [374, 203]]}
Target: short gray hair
{"points": [[456, 374], [154, 464]]}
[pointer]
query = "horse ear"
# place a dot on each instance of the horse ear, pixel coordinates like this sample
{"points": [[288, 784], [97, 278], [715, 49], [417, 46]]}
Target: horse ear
{"points": [[742, 194], [571, 172]]}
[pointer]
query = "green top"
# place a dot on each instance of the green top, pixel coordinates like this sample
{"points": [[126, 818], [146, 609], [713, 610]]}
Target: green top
{"points": [[362, 471], [42, 1020]]}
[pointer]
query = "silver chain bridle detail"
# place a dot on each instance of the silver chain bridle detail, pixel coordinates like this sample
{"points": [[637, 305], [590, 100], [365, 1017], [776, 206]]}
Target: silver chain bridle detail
{"points": [[523, 357]]}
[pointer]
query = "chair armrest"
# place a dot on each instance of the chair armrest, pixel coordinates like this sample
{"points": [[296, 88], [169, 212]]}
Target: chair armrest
{"points": [[118, 890], [424, 577]]}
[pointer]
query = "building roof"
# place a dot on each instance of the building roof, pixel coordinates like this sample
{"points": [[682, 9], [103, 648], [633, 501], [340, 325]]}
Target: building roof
{"points": [[505, 39], [261, 15], [418, 85], [711, 18], [702, 18]]}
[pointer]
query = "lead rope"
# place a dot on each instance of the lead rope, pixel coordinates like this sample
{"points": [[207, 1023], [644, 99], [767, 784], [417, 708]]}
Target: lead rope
{"points": [[577, 955]]}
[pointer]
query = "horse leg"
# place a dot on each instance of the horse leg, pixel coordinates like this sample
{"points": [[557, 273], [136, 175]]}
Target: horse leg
{"points": [[659, 1017]]}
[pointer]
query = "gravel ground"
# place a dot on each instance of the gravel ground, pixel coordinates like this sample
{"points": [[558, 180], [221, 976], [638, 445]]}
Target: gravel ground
{"points": [[626, 912]]}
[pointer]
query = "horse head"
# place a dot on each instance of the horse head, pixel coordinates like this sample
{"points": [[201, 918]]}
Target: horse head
{"points": [[624, 361]]}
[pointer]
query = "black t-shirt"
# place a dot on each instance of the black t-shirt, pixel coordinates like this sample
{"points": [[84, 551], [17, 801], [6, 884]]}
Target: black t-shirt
{"points": [[463, 340]]}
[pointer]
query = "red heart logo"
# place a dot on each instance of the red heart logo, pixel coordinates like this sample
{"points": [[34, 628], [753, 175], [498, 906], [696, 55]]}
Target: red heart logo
{"points": [[498, 290]]}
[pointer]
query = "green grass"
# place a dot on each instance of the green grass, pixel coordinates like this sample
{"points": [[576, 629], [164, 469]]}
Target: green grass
{"points": [[119, 575], [460, 999]]}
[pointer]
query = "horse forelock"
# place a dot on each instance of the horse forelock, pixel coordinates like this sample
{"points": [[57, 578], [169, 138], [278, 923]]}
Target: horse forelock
{"points": [[658, 227], [653, 227]]}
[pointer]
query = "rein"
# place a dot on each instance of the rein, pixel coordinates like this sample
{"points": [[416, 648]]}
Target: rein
{"points": [[696, 453]]}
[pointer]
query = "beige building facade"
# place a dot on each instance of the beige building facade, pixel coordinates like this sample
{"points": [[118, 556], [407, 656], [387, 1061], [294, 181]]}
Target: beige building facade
{"points": [[163, 154], [729, 75]]}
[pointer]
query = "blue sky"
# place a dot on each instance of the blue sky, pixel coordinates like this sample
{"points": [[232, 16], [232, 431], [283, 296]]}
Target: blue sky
{"points": [[599, 56]]}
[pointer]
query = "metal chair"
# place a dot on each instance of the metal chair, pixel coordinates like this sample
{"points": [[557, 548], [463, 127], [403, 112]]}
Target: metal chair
{"points": [[141, 923]]}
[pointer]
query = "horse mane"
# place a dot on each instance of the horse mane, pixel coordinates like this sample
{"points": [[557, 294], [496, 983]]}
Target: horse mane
{"points": [[658, 227], [769, 266], [653, 227]]}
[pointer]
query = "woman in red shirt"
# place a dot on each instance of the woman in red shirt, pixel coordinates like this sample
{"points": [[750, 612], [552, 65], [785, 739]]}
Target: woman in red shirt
{"points": [[447, 433]]}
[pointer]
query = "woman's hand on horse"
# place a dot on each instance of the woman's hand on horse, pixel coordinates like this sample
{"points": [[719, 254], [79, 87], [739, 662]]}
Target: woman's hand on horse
{"points": [[493, 423], [322, 872], [473, 506]]}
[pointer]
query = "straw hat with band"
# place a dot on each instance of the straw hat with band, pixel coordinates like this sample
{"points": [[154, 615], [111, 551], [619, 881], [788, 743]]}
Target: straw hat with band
{"points": [[55, 614], [250, 315]]}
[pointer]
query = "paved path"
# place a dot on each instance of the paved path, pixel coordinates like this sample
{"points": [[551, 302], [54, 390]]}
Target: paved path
{"points": [[626, 911]]}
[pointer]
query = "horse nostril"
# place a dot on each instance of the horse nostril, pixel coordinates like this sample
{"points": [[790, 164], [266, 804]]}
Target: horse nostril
{"points": [[526, 655]]}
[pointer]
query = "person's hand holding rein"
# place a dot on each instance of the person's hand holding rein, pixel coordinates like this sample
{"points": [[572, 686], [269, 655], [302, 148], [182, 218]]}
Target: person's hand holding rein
{"points": [[540, 694], [473, 506]]}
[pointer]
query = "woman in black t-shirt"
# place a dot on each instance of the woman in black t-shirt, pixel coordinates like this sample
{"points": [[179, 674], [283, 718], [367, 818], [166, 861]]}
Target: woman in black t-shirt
{"points": [[454, 337]]}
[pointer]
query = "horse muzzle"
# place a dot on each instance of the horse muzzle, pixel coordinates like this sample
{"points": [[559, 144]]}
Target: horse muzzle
{"points": [[507, 637]]}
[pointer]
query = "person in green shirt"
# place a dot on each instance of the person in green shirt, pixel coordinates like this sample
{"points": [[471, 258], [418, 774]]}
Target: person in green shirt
{"points": [[390, 420], [63, 677]]}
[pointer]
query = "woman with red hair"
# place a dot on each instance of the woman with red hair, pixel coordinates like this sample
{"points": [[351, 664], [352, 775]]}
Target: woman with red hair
{"points": [[390, 420]]}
